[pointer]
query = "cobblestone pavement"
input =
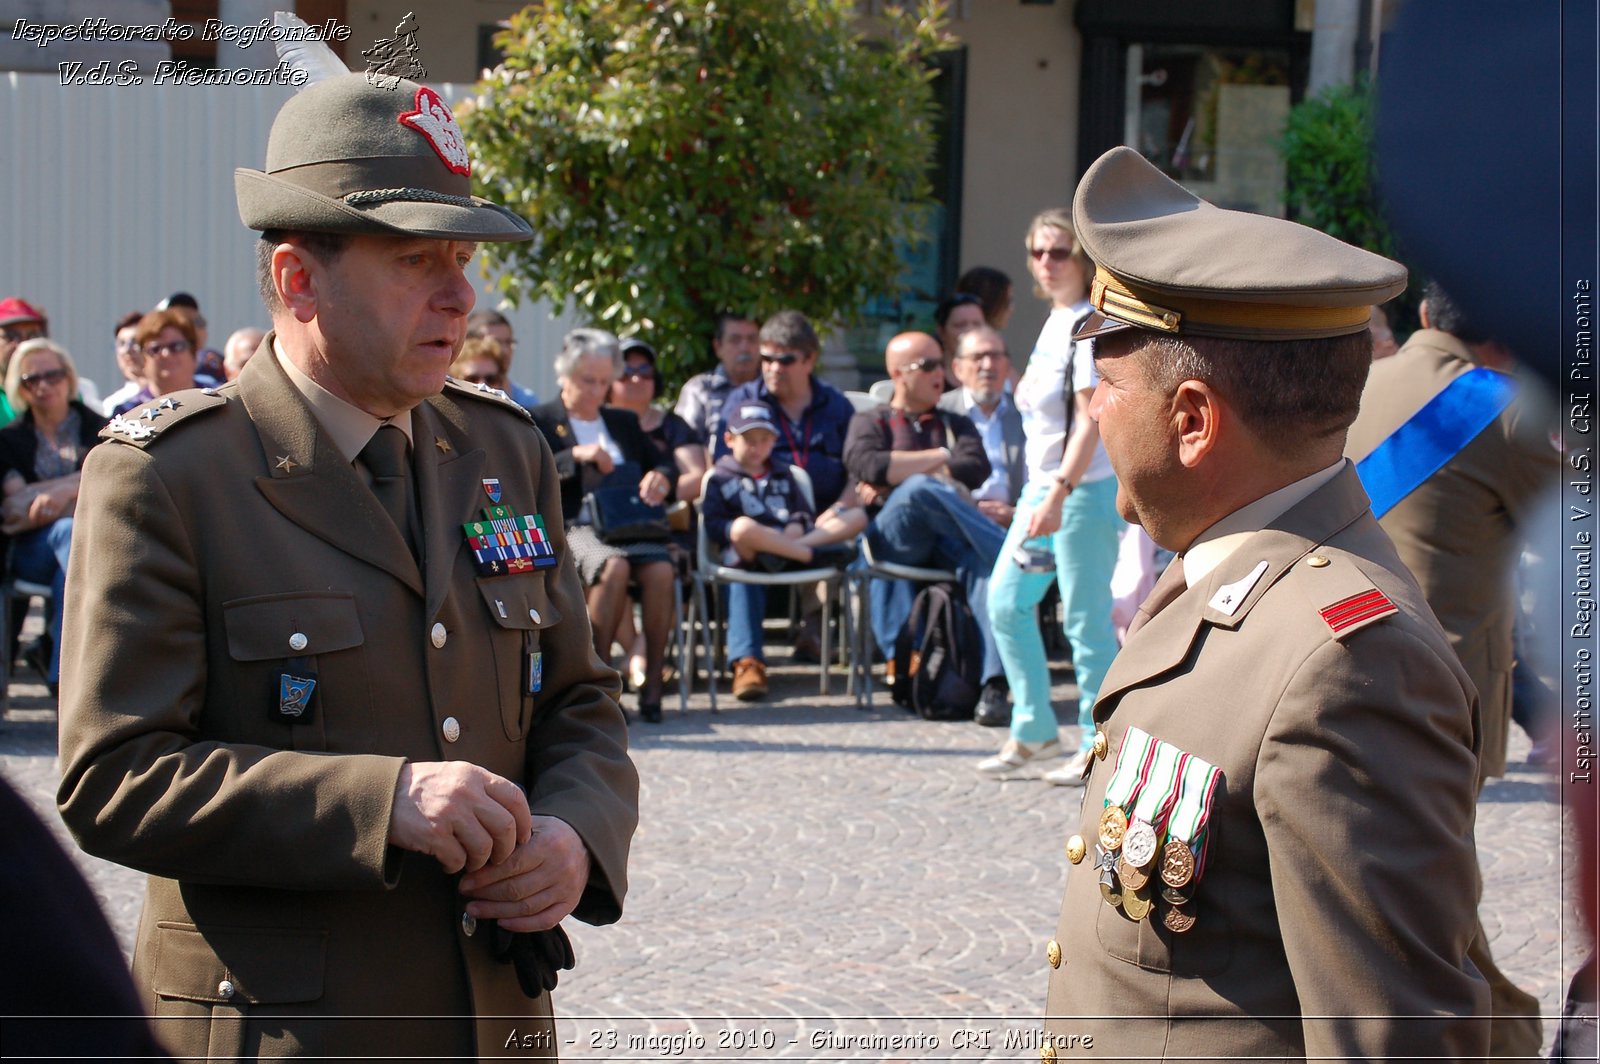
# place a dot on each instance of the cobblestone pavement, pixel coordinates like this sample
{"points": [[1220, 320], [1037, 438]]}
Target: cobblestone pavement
{"points": [[806, 873]]}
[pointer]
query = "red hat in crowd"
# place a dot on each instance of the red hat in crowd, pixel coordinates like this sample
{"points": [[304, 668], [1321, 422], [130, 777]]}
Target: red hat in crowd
{"points": [[15, 311]]}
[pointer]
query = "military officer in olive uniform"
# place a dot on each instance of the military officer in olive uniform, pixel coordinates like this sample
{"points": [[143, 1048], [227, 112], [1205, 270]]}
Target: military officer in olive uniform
{"points": [[328, 674], [1275, 854]]}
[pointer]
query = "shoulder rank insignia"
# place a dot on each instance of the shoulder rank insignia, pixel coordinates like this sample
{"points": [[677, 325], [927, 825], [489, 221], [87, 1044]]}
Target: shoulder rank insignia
{"points": [[132, 428], [483, 391], [1358, 611], [148, 422]]}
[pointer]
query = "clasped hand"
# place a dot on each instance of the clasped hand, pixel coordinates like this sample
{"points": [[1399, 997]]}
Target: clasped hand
{"points": [[526, 871]]}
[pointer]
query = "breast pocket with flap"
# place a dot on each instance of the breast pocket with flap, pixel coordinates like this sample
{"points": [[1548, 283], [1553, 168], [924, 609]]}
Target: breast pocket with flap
{"points": [[520, 609], [298, 656]]}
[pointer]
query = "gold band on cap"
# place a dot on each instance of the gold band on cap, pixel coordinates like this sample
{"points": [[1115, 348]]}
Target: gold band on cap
{"points": [[1114, 298]]}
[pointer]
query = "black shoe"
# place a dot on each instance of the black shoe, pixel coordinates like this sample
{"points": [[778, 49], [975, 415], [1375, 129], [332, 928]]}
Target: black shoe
{"points": [[994, 705], [650, 709], [837, 555]]}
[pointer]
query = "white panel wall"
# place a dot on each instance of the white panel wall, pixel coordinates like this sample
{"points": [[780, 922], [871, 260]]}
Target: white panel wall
{"points": [[115, 197]]}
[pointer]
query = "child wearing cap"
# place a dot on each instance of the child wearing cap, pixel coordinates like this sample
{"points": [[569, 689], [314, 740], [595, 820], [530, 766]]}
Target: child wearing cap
{"points": [[755, 513]]}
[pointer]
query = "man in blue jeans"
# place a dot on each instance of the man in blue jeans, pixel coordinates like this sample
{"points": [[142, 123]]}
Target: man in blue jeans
{"points": [[812, 417], [920, 464]]}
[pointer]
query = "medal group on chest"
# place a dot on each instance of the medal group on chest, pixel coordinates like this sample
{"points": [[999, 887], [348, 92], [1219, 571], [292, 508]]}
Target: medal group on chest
{"points": [[1152, 836]]}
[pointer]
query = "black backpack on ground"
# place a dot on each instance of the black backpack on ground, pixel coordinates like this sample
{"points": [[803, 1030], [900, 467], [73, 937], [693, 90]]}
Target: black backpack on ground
{"points": [[938, 656]]}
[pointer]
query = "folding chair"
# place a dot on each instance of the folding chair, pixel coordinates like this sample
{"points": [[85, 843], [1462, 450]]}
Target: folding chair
{"points": [[711, 572], [876, 569]]}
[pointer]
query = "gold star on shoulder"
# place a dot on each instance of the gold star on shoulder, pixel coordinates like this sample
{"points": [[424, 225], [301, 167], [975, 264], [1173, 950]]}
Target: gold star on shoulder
{"points": [[286, 463], [442, 443]]}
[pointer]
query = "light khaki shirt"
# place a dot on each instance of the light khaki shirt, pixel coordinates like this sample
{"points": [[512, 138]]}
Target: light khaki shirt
{"points": [[348, 426]]}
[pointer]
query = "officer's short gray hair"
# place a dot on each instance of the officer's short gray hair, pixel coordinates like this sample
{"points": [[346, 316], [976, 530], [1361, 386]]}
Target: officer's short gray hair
{"points": [[582, 343]]}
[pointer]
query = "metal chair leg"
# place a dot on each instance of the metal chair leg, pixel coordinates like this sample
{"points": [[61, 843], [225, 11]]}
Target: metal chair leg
{"points": [[711, 649], [683, 645], [824, 625]]}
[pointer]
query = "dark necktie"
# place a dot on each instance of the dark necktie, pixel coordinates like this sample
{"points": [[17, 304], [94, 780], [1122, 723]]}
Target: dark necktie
{"points": [[1167, 589], [385, 458]]}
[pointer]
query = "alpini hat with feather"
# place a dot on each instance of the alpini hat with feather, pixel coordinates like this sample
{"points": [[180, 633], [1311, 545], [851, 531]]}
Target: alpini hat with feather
{"points": [[348, 156]]}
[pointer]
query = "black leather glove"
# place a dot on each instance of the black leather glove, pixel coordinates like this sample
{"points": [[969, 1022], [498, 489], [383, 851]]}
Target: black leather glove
{"points": [[537, 955]]}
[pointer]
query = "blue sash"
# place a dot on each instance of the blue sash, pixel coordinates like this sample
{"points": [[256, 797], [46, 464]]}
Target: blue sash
{"points": [[1435, 434]]}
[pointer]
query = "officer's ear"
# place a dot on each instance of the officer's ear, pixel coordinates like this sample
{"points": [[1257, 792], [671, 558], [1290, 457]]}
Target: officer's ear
{"points": [[1198, 413], [293, 275]]}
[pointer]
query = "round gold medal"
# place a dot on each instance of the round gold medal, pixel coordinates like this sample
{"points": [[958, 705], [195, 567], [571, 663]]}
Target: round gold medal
{"points": [[1177, 863], [1132, 876], [1113, 824], [1135, 904], [1178, 920]]}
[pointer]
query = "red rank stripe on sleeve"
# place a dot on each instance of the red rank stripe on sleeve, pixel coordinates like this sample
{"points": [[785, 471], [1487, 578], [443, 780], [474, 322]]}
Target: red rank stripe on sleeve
{"points": [[1367, 606]]}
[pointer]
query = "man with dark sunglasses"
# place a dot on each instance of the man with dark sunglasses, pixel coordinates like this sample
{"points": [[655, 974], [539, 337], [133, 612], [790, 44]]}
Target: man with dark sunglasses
{"points": [[812, 417], [917, 466]]}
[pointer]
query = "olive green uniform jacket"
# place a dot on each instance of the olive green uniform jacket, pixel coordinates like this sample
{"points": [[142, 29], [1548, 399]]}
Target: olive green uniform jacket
{"points": [[1340, 886], [1458, 532], [205, 554]]}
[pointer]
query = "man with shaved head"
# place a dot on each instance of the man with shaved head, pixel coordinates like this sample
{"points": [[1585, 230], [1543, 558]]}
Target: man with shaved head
{"points": [[917, 466]]}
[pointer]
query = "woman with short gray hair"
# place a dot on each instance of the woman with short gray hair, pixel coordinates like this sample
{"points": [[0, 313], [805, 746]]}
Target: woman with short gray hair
{"points": [[595, 446]]}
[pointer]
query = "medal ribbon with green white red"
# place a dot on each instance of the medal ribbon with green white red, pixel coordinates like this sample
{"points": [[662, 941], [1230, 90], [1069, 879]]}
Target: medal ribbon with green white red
{"points": [[1133, 768], [1157, 793], [1191, 815]]}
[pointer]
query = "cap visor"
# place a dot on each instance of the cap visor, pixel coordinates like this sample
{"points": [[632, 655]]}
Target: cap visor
{"points": [[1097, 324]]}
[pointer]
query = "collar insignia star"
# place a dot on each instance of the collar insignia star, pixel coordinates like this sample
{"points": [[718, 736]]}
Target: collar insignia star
{"points": [[442, 443], [286, 463], [1230, 597]]}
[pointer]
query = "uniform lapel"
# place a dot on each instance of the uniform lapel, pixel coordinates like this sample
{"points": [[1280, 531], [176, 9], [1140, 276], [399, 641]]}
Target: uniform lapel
{"points": [[450, 480], [1161, 643], [310, 482]]}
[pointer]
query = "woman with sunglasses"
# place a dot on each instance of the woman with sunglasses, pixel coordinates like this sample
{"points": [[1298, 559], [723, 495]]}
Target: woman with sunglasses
{"points": [[482, 361], [1066, 525], [41, 453], [170, 349], [635, 390]]}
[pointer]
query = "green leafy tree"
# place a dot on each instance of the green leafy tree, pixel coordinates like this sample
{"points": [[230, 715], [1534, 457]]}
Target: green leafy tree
{"points": [[677, 158], [1327, 149]]}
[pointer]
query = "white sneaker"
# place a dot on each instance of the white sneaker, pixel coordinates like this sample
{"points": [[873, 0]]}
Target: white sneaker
{"points": [[1015, 755], [1070, 774]]}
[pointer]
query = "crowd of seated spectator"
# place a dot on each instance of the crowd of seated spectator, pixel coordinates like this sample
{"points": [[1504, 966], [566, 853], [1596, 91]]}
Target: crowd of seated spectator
{"points": [[932, 477]]}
